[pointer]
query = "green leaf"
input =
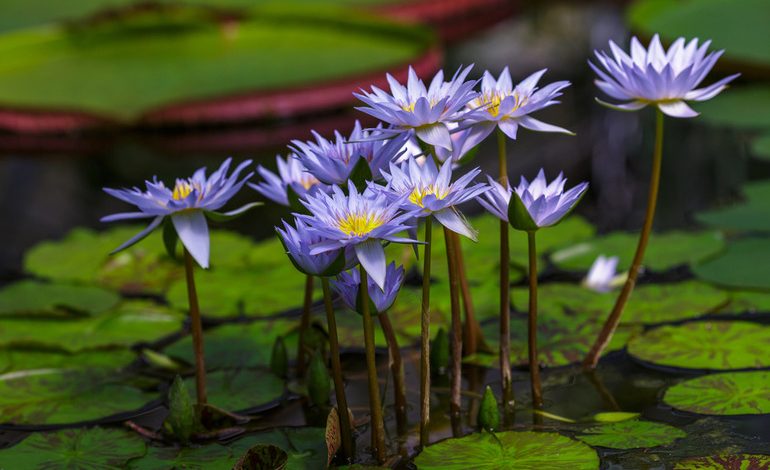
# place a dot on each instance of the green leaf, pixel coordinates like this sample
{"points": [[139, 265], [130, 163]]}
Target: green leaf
{"points": [[489, 414], [741, 108], [725, 461], [318, 381], [181, 413], [439, 352], [727, 393], [279, 358], [207, 457], [54, 396], [361, 174], [508, 450], [747, 301], [614, 416], [243, 389], [631, 434], [38, 298], [751, 216], [30, 359], [518, 215], [710, 345], [74, 449], [263, 457], [738, 266], [306, 446], [760, 147]]}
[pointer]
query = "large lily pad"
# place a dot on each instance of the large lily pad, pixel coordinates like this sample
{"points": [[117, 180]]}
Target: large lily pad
{"points": [[760, 147], [55, 396], [242, 389], [727, 393], [212, 456], [131, 322], [726, 461], [738, 267], [306, 446], [28, 359], [752, 216], [39, 298], [747, 301], [711, 345], [665, 250], [94, 448], [742, 108], [631, 434], [508, 450]]}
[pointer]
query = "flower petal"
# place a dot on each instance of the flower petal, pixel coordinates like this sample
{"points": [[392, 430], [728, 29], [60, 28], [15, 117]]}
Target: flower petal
{"points": [[630, 106], [435, 134], [193, 231], [455, 222], [126, 216], [371, 255], [536, 125], [678, 109], [139, 236]]}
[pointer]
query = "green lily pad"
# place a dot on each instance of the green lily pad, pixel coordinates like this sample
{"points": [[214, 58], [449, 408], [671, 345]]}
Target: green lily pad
{"points": [[28, 359], [727, 393], [129, 323], [125, 67], [740, 108], [747, 301], [212, 456], [306, 446], [711, 345], [75, 449], [55, 396], [39, 298], [664, 251], [734, 25], [242, 389], [760, 147], [738, 267], [753, 215], [725, 461], [508, 450], [236, 346], [632, 434]]}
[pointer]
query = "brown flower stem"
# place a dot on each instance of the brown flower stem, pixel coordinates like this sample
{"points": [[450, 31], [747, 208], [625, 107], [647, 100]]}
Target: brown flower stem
{"points": [[397, 370], [197, 329], [375, 407], [304, 324], [505, 290], [456, 338], [339, 385], [473, 338], [534, 366], [425, 337], [605, 335]]}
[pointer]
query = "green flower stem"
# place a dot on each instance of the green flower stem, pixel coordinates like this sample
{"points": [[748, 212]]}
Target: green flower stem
{"points": [[377, 423], [534, 366], [304, 324], [425, 337], [456, 338], [397, 370], [339, 385], [505, 290], [605, 335], [197, 329]]}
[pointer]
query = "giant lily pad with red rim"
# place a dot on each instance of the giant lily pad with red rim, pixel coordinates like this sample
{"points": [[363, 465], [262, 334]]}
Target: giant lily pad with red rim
{"points": [[727, 393]]}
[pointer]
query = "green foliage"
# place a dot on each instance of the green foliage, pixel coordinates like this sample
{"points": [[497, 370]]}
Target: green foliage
{"points": [[751, 216], [614, 416], [306, 447], [720, 462], [439, 352], [711, 345], [489, 414], [181, 413], [14, 360], [279, 358], [243, 389], [760, 147], [263, 457], [738, 267], [206, 457], [631, 434], [741, 108], [39, 298], [727, 393], [318, 381]]}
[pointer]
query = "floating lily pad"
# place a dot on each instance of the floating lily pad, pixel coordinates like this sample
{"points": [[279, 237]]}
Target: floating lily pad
{"points": [[727, 393], [726, 461], [747, 301], [711, 345], [236, 346], [131, 322], [665, 251], [734, 25], [306, 446], [212, 456], [760, 147], [738, 267], [55, 396], [753, 215], [508, 450], [632, 434], [28, 359], [74, 449], [242, 389], [39, 298], [741, 108]]}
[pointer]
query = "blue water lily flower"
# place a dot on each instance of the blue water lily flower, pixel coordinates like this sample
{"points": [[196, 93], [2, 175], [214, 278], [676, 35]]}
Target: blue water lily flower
{"points": [[187, 204], [425, 190], [501, 105], [496, 200], [291, 174], [361, 220], [546, 204], [419, 110], [348, 286], [333, 162], [299, 243], [602, 275], [658, 77]]}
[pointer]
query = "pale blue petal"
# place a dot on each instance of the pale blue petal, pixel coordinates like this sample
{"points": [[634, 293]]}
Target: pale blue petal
{"points": [[435, 134], [455, 222], [678, 109], [193, 231], [139, 236], [371, 255]]}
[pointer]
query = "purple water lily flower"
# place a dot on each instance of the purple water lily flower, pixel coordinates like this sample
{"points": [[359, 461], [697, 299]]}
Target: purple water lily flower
{"points": [[547, 203], [333, 162], [417, 110], [658, 77], [430, 191], [188, 204], [501, 105], [601, 277], [361, 220], [348, 285], [496, 200], [299, 242], [291, 174]]}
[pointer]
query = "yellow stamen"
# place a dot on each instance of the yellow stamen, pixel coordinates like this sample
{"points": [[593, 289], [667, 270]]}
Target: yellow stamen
{"points": [[359, 224], [182, 190], [491, 102], [308, 182], [418, 194]]}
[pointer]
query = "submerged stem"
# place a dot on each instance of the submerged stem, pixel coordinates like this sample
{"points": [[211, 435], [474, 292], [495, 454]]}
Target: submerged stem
{"points": [[425, 337], [534, 366], [197, 329], [505, 290], [339, 385], [375, 407], [397, 370], [457, 335], [304, 324], [605, 335]]}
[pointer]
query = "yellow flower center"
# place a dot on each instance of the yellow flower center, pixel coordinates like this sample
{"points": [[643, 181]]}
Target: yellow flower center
{"points": [[418, 194], [491, 102], [359, 224], [308, 181], [409, 108], [182, 190]]}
